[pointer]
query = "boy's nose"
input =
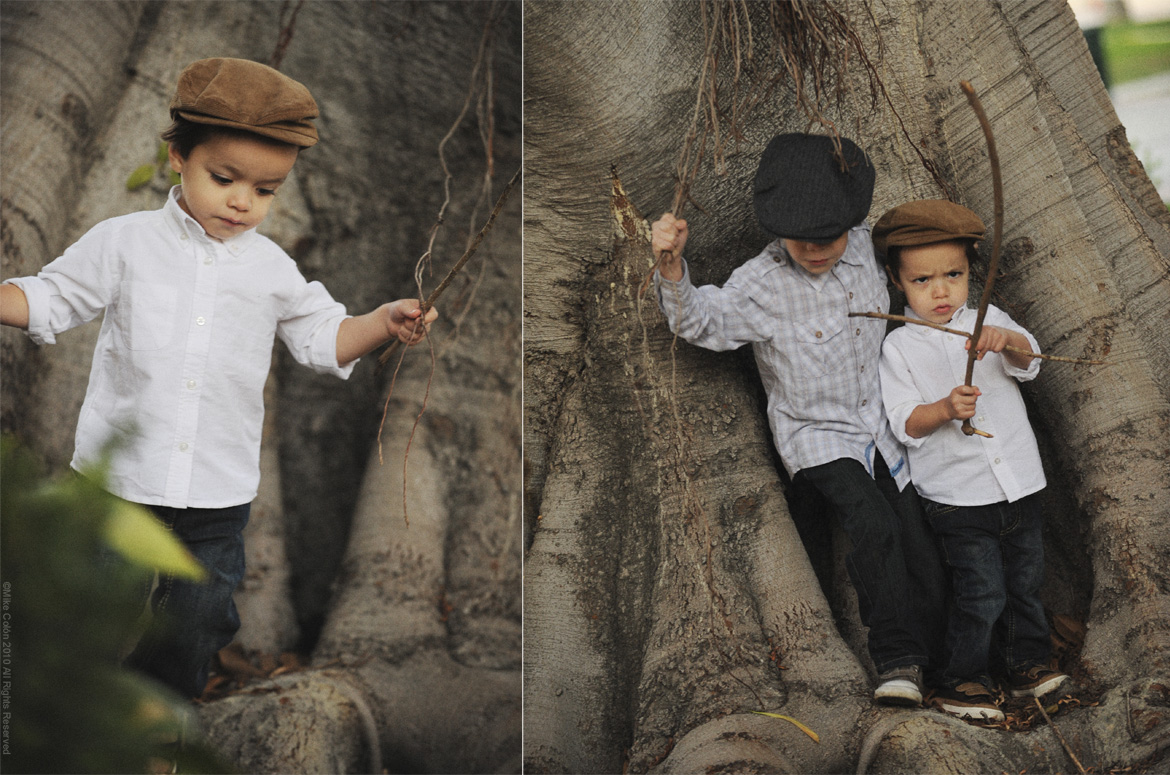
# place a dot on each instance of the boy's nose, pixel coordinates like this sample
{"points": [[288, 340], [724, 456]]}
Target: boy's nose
{"points": [[239, 200]]}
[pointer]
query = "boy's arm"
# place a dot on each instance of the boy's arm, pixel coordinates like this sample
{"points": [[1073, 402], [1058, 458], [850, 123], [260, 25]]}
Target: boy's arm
{"points": [[399, 319], [928, 418], [994, 339], [13, 306]]}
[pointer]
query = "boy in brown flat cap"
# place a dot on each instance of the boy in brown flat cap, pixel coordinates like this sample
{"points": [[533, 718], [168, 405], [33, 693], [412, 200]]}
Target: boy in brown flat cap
{"points": [[193, 298], [980, 494], [791, 303]]}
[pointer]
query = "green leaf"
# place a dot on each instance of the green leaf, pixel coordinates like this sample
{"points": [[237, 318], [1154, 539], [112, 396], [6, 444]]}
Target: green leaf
{"points": [[143, 540], [163, 153], [175, 178], [816, 738], [140, 177]]}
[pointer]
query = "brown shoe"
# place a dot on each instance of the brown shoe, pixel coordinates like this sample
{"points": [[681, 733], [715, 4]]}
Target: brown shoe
{"points": [[1036, 681], [969, 700]]}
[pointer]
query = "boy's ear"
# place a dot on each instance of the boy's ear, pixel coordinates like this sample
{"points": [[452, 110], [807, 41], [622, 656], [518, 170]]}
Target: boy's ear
{"points": [[175, 158], [894, 278]]}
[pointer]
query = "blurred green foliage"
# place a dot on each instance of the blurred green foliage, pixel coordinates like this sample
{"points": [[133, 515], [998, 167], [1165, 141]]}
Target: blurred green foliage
{"points": [[70, 606], [1135, 51], [146, 173]]}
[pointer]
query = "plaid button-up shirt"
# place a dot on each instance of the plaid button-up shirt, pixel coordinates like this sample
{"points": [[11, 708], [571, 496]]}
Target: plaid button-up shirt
{"points": [[819, 366]]}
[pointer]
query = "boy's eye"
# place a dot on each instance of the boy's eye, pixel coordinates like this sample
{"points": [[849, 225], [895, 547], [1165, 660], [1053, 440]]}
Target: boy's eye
{"points": [[266, 191], [220, 179], [954, 275]]}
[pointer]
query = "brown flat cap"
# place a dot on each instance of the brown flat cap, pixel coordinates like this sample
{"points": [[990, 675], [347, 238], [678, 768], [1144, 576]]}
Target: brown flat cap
{"points": [[247, 95], [925, 221]]}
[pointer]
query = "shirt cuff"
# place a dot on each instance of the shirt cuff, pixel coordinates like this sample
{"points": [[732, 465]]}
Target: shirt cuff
{"points": [[664, 286], [324, 351], [898, 417], [37, 296]]}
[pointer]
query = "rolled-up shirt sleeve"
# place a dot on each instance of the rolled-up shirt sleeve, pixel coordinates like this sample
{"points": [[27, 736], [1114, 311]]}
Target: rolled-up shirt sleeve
{"points": [[899, 392], [71, 290], [999, 318], [309, 329]]}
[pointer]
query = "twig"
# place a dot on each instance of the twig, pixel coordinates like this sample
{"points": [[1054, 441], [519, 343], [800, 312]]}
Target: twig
{"points": [[1067, 749], [430, 300], [964, 334], [993, 266], [286, 34]]}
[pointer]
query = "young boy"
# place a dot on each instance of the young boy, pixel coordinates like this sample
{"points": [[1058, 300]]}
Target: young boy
{"points": [[980, 494], [820, 371], [193, 298]]}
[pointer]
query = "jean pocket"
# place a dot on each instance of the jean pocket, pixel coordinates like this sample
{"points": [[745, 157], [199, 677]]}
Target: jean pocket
{"points": [[936, 511]]}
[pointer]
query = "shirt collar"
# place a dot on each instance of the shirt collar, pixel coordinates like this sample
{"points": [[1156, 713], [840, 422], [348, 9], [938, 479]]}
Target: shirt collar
{"points": [[187, 226]]}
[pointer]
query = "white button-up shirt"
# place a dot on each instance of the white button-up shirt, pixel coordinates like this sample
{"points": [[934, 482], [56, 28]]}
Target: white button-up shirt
{"points": [[819, 366], [922, 365], [184, 350]]}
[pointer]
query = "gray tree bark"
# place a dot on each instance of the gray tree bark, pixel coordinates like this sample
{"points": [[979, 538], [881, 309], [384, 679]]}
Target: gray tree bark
{"points": [[396, 617], [664, 580]]}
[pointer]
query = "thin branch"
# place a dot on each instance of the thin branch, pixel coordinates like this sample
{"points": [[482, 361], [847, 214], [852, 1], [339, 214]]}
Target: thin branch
{"points": [[1067, 749], [966, 335]]}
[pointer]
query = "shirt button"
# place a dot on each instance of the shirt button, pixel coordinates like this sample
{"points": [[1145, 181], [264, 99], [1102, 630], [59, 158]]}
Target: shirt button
{"points": [[183, 236], [207, 260], [191, 384], [864, 401], [200, 320], [862, 369], [851, 294], [183, 446], [859, 332], [997, 461], [818, 334]]}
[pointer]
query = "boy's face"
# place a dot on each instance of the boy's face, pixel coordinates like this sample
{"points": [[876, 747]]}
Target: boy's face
{"points": [[934, 279], [230, 180], [815, 258]]}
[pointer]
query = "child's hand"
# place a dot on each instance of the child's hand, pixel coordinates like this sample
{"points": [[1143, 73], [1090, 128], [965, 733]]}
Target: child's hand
{"points": [[669, 235], [404, 321], [991, 339], [960, 404]]}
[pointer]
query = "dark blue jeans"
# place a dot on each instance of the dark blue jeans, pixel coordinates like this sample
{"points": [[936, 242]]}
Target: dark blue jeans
{"points": [[893, 561], [996, 557], [192, 621]]}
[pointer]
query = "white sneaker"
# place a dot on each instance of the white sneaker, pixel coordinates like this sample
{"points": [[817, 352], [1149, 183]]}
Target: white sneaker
{"points": [[900, 686]]}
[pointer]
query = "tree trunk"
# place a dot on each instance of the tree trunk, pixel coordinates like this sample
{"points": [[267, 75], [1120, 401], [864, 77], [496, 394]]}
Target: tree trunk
{"points": [[664, 581], [414, 631]]}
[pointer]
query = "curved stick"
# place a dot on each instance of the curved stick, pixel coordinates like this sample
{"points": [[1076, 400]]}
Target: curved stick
{"points": [[993, 267]]}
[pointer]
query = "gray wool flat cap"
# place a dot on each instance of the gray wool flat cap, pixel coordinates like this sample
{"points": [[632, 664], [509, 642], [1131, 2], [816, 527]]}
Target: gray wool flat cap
{"points": [[803, 191]]}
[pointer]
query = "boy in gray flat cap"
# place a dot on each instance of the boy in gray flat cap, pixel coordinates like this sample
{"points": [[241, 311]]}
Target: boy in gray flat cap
{"points": [[820, 371], [193, 297]]}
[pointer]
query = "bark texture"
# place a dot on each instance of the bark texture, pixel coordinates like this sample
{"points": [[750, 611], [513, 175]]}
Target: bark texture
{"points": [[414, 630], [664, 581]]}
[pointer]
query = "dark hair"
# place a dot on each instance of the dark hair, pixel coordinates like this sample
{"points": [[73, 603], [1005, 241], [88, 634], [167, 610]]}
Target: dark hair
{"points": [[185, 135], [894, 254]]}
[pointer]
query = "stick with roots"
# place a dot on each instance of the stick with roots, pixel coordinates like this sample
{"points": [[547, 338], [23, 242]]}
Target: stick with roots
{"points": [[426, 305], [430, 300]]}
